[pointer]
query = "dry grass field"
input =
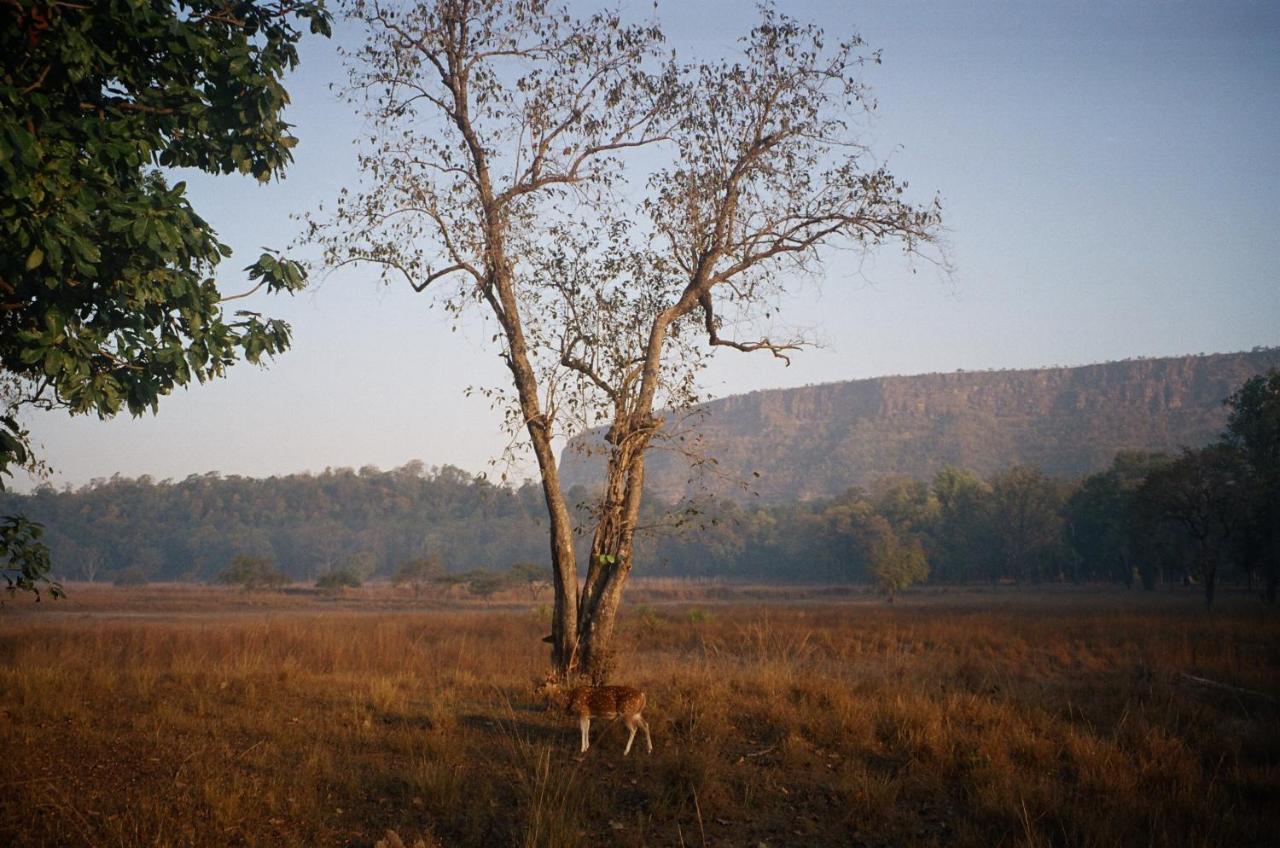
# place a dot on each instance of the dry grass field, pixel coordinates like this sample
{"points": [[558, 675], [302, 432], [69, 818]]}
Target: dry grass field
{"points": [[209, 717]]}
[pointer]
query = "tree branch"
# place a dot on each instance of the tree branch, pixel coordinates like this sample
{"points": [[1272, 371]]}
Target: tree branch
{"points": [[709, 322]]}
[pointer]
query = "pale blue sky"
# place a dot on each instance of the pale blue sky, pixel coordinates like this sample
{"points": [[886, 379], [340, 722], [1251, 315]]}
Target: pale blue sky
{"points": [[1110, 180]]}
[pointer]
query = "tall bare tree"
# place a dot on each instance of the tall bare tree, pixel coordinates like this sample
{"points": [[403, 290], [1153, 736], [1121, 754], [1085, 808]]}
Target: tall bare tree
{"points": [[615, 211]]}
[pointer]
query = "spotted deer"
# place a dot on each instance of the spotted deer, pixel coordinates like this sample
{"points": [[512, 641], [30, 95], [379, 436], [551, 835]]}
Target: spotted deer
{"points": [[612, 702]]}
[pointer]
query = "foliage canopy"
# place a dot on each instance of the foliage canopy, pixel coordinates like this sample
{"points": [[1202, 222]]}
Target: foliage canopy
{"points": [[107, 296]]}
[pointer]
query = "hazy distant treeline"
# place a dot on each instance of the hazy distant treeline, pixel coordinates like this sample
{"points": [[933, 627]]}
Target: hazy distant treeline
{"points": [[1204, 514], [1020, 525], [309, 524]]}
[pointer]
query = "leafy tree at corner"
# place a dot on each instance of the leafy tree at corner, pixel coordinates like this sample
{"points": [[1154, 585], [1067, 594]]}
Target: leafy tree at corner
{"points": [[107, 296], [25, 564]]}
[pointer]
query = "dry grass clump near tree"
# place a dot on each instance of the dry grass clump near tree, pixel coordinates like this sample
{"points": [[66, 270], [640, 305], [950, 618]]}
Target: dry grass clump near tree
{"points": [[951, 719]]}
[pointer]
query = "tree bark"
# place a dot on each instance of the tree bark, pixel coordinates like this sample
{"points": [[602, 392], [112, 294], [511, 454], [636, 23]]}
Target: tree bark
{"points": [[612, 545], [564, 569], [1209, 570], [1271, 555]]}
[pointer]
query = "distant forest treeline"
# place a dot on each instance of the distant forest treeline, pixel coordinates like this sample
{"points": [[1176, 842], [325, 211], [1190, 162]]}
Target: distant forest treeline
{"points": [[1148, 518], [309, 524]]}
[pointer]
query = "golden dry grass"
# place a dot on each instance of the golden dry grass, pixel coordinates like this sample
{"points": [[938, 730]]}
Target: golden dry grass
{"points": [[206, 717]]}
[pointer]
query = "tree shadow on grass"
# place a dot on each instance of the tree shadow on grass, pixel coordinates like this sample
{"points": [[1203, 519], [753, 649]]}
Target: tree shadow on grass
{"points": [[525, 729], [406, 721]]}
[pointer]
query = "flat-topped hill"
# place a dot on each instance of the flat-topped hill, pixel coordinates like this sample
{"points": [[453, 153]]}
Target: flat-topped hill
{"points": [[817, 441]]}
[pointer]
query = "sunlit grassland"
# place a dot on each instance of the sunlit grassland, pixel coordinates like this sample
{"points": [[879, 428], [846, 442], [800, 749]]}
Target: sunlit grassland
{"points": [[974, 719]]}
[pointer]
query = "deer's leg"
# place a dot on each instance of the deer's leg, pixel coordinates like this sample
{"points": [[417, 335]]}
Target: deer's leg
{"points": [[631, 725], [648, 740], [585, 724]]}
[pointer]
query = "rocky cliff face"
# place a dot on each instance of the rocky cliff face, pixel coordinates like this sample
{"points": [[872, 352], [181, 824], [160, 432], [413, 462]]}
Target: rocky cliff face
{"points": [[819, 440]]}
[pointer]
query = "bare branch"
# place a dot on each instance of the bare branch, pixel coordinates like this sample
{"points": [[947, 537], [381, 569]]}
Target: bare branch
{"points": [[778, 349], [243, 294]]}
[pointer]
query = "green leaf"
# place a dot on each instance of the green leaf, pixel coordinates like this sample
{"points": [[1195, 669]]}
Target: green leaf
{"points": [[35, 258]]}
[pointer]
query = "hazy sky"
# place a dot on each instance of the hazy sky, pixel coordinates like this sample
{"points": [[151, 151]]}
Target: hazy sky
{"points": [[1110, 179]]}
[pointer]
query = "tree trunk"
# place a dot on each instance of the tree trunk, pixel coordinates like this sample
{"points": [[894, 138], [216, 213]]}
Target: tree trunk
{"points": [[564, 568], [1271, 558], [612, 543], [497, 287], [1209, 570]]}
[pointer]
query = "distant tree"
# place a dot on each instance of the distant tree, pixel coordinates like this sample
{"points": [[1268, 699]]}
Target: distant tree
{"points": [[418, 573], [605, 308], [252, 573], [1025, 521], [831, 541], [1200, 493], [453, 579], [1098, 530], [90, 564], [1253, 430], [485, 583], [535, 576], [897, 564], [908, 505], [1100, 518], [133, 575], [961, 536], [362, 564], [107, 291], [339, 579]]}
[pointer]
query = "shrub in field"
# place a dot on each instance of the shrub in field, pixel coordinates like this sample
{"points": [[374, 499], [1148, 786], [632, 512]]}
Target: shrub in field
{"points": [[532, 575], [252, 573], [131, 576], [485, 583], [339, 579], [418, 573]]}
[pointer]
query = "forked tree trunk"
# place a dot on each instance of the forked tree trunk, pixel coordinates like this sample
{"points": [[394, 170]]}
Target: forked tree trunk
{"points": [[612, 544], [633, 428]]}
